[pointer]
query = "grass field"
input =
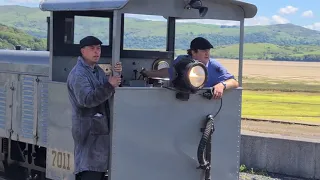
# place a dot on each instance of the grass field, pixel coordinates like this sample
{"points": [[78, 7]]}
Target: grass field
{"points": [[279, 90], [297, 107]]}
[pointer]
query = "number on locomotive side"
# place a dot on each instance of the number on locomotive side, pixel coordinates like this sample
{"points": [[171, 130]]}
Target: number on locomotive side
{"points": [[61, 160]]}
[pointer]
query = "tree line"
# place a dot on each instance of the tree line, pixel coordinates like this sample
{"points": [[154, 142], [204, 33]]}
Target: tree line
{"points": [[10, 37]]}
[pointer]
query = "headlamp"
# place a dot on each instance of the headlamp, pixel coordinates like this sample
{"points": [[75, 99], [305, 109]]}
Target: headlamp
{"points": [[189, 75]]}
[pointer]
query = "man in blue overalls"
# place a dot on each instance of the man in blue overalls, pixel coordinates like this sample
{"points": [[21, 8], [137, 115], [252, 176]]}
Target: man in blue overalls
{"points": [[89, 91], [218, 76]]}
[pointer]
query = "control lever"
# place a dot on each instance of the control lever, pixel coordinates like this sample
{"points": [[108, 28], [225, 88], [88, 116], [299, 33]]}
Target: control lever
{"points": [[143, 74], [135, 74]]}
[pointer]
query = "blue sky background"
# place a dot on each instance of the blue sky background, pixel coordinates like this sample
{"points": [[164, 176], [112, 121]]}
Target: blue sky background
{"points": [[299, 12]]}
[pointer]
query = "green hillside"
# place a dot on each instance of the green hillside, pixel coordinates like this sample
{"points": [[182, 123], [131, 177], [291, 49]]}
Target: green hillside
{"points": [[10, 37], [276, 42], [271, 51]]}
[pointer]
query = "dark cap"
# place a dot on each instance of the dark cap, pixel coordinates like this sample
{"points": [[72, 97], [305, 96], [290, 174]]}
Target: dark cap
{"points": [[200, 43], [89, 41]]}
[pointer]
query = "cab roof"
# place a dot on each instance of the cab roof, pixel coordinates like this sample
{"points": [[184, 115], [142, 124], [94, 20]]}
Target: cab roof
{"points": [[249, 10]]}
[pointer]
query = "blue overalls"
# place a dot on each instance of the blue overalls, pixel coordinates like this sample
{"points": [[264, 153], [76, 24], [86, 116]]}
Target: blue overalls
{"points": [[89, 91]]}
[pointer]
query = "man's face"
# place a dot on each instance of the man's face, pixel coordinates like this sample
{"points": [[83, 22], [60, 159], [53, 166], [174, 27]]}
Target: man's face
{"points": [[91, 53], [202, 55]]}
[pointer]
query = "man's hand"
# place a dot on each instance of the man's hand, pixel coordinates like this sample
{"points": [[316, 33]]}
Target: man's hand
{"points": [[118, 67], [115, 81], [218, 91]]}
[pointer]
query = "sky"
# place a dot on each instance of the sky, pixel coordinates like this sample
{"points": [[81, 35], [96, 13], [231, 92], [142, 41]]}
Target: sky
{"points": [[299, 12]]}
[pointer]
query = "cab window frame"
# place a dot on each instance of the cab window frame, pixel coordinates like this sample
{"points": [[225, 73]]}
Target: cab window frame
{"points": [[60, 48]]}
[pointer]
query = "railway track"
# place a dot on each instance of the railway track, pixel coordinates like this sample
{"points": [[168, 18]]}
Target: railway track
{"points": [[282, 122], [279, 127]]}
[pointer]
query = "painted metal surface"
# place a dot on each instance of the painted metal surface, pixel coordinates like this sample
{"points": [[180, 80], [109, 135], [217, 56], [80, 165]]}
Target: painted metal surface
{"points": [[3, 107], [23, 101], [43, 111], [60, 156], [162, 135], [71, 5], [28, 108], [25, 57], [218, 9], [29, 111], [165, 136], [5, 103]]}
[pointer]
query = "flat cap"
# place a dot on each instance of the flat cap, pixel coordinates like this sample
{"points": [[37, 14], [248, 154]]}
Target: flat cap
{"points": [[200, 43], [89, 41]]}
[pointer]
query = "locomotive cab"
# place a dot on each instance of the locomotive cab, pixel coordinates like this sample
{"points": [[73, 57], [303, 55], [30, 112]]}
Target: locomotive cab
{"points": [[157, 131], [159, 128]]}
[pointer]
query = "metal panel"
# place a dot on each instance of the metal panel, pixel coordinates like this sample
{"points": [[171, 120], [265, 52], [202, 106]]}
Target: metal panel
{"points": [[87, 5], [240, 71], [24, 69], [5, 103], [161, 134], [220, 10], [43, 112], [25, 57], [60, 151], [28, 108], [3, 108], [224, 7], [24, 117]]}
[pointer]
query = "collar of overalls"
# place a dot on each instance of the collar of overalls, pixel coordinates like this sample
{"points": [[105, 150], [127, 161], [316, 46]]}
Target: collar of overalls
{"points": [[82, 61]]}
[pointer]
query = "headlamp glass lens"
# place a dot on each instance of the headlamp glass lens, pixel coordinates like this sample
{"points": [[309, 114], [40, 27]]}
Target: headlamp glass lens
{"points": [[197, 76]]}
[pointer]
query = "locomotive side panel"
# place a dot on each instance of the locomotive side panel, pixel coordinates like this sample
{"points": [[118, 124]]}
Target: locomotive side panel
{"points": [[155, 136], [27, 70], [26, 117], [6, 94], [60, 151], [225, 148], [29, 120], [43, 111]]}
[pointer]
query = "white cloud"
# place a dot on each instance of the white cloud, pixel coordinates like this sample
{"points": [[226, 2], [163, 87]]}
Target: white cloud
{"points": [[314, 26], [307, 14], [279, 20], [288, 10], [259, 20]]}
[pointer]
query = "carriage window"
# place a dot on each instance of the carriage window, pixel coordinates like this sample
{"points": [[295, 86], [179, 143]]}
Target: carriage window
{"points": [[144, 32], [91, 26]]}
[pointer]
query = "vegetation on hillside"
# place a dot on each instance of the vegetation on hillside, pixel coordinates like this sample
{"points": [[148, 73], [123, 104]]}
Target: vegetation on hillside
{"points": [[269, 51], [274, 42], [10, 37]]}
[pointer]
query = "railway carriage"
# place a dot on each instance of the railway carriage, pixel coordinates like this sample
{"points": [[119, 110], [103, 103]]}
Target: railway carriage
{"points": [[159, 129]]}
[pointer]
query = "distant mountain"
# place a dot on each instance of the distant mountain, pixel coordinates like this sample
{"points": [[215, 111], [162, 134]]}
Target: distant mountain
{"points": [[282, 42]]}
